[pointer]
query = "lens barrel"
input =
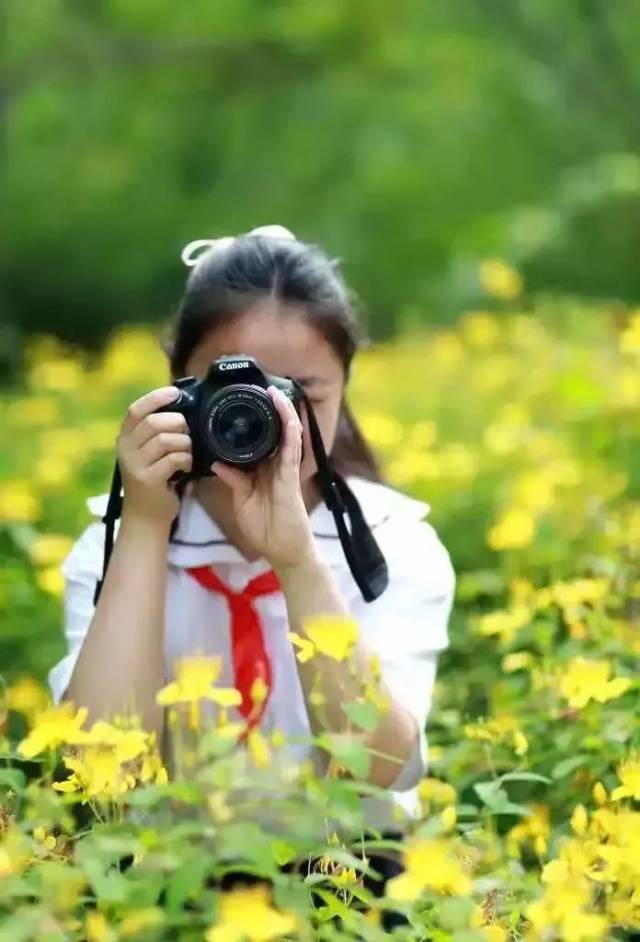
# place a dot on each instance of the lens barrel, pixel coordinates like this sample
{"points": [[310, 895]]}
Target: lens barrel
{"points": [[241, 424]]}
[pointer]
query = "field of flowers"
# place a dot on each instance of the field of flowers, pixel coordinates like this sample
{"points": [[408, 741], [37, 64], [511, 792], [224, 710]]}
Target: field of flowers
{"points": [[522, 431]]}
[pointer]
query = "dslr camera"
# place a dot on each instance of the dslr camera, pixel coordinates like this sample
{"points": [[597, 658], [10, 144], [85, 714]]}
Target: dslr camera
{"points": [[230, 415]]}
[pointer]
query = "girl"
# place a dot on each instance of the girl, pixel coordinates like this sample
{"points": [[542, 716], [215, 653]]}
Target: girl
{"points": [[251, 555]]}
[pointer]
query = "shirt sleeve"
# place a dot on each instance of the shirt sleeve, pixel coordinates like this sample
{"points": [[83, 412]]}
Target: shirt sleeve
{"points": [[407, 626], [82, 569]]}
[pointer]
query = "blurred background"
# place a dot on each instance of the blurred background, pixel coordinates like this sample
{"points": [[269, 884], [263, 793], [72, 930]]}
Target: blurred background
{"points": [[409, 138], [474, 165]]}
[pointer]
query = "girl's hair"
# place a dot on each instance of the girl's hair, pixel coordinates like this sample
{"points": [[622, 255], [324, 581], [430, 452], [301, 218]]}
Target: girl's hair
{"points": [[228, 278]]}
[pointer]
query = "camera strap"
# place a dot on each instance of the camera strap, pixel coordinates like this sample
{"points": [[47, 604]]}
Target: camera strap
{"points": [[112, 514], [362, 553], [364, 557]]}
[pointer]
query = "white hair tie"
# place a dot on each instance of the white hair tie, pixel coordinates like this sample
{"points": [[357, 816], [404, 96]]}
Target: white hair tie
{"points": [[208, 245], [190, 259]]}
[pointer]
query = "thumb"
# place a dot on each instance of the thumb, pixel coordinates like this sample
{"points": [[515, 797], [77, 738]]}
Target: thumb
{"points": [[239, 482]]}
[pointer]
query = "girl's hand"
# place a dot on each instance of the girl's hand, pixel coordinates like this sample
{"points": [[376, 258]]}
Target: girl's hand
{"points": [[151, 447], [268, 503]]}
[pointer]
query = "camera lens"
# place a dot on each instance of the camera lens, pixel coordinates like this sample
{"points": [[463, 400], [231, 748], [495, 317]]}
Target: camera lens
{"points": [[242, 424]]}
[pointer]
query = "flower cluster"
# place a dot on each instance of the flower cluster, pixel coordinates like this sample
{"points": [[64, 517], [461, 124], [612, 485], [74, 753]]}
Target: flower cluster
{"points": [[524, 439]]}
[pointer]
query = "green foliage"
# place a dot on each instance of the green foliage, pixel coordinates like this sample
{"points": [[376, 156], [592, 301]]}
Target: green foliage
{"points": [[410, 139]]}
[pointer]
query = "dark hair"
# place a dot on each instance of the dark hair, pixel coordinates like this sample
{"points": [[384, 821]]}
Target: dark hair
{"points": [[227, 279]]}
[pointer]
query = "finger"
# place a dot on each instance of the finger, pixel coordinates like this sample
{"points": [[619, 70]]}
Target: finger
{"points": [[284, 406], [163, 444], [290, 450], [162, 469], [157, 423], [148, 403], [239, 482]]}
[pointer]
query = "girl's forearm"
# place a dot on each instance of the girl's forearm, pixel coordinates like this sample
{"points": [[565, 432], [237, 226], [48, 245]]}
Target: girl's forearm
{"points": [[121, 665], [310, 589]]}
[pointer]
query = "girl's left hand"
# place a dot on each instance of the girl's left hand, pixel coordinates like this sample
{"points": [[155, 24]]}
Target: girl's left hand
{"points": [[268, 503]]}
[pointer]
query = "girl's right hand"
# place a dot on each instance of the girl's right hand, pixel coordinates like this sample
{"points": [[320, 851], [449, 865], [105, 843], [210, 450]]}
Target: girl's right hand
{"points": [[152, 446]]}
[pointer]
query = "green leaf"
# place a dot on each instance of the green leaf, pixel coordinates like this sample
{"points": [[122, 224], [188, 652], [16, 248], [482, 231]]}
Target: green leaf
{"points": [[186, 882], [490, 793], [363, 713], [348, 752], [283, 852], [524, 777], [109, 887], [496, 799], [13, 778], [566, 766]]}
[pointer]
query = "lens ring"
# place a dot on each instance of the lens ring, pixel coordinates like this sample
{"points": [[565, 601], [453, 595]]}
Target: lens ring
{"points": [[241, 424]]}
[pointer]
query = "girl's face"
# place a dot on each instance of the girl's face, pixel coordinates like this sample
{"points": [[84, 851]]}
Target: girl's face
{"points": [[283, 344]]}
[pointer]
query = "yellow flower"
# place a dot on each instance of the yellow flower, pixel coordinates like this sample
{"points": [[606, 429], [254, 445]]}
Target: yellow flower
{"points": [[97, 928], [599, 793], [449, 817], [563, 907], [306, 650], [500, 280], [48, 841], [26, 696], [494, 932], [58, 375], [630, 336], [53, 472], [51, 580], [516, 661], [505, 624], [534, 829], [140, 920], [258, 749], [332, 635], [422, 435], [432, 789], [49, 549], [259, 691], [413, 465], [248, 914], [382, 431], [579, 820], [480, 328], [194, 679], [446, 351], [112, 760], [34, 411], [14, 852], [429, 864], [585, 680], [131, 350], [520, 743], [18, 502], [52, 728], [514, 529], [629, 775], [97, 773]]}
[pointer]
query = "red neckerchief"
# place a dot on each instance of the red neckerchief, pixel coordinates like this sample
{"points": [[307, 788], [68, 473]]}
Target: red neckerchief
{"points": [[250, 658]]}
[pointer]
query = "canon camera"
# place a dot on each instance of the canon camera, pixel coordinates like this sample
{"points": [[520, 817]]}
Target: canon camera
{"points": [[230, 415]]}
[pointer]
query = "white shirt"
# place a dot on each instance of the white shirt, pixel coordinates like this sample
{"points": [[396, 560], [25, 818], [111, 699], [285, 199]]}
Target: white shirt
{"points": [[405, 627]]}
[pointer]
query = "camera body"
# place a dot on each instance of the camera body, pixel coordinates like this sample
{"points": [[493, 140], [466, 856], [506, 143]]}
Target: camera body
{"points": [[230, 415]]}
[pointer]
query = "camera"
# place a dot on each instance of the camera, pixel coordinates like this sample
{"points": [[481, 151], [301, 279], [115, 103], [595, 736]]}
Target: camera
{"points": [[230, 415]]}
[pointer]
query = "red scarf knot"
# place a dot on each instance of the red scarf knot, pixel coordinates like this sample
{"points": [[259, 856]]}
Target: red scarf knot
{"points": [[250, 658]]}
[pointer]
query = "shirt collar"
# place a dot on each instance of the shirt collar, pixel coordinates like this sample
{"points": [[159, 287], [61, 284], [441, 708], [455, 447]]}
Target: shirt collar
{"points": [[199, 541]]}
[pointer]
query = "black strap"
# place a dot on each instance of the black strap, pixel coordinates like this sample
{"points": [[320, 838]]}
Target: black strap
{"points": [[114, 509], [364, 558]]}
